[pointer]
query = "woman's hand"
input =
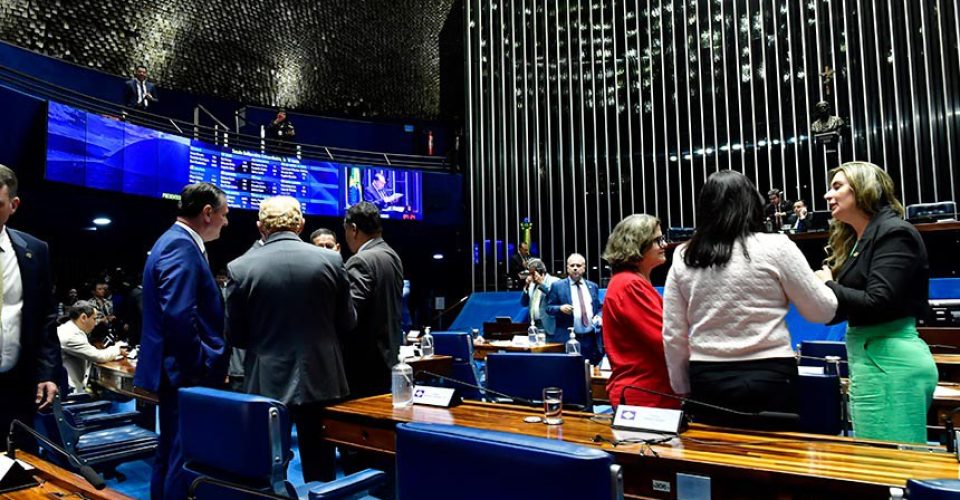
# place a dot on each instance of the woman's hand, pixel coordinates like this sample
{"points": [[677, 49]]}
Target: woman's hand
{"points": [[825, 274]]}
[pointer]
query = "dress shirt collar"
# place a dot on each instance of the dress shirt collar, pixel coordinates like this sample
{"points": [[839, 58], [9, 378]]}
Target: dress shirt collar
{"points": [[195, 235], [367, 243]]}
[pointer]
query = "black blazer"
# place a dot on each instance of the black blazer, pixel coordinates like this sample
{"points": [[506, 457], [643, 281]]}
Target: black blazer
{"points": [[39, 359], [888, 276], [371, 349]]}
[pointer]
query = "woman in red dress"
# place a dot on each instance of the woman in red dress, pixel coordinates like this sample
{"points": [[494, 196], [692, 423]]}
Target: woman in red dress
{"points": [[633, 314]]}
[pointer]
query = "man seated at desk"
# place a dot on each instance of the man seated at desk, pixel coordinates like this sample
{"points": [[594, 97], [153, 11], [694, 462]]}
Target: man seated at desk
{"points": [[78, 353], [378, 194]]}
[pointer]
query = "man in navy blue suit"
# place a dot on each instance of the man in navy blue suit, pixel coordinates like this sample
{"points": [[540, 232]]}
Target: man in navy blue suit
{"points": [[140, 93], [182, 341], [575, 302], [29, 346]]}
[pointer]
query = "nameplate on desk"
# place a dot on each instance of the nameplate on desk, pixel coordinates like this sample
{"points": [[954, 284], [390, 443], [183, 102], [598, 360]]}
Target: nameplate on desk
{"points": [[810, 370], [520, 341], [433, 396], [15, 475], [642, 418]]}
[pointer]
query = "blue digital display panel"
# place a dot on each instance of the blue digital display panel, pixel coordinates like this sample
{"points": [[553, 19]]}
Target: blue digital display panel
{"points": [[91, 150]]}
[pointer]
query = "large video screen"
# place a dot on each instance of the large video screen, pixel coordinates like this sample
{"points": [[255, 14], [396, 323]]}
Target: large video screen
{"points": [[397, 193], [91, 150]]}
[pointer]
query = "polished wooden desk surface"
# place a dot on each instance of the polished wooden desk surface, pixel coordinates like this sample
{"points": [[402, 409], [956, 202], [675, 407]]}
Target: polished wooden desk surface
{"points": [[740, 463], [480, 351], [117, 376], [926, 227], [56, 482], [946, 359]]}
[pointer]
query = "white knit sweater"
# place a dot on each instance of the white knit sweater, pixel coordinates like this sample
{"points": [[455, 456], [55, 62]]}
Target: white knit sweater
{"points": [[736, 312]]}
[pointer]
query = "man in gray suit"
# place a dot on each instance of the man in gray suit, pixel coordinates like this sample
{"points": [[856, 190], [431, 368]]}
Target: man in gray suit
{"points": [[288, 304], [376, 285]]}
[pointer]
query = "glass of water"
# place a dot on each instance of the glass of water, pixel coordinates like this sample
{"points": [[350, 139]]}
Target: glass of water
{"points": [[552, 405]]}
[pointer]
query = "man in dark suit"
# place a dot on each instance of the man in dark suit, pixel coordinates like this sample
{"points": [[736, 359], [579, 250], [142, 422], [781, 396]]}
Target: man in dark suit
{"points": [[377, 193], [799, 220], [140, 93], [182, 339], [575, 302], [288, 305], [376, 286], [518, 265], [29, 346]]}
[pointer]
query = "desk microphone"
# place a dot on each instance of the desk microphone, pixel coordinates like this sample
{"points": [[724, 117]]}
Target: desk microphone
{"points": [[85, 470], [477, 387], [791, 418], [445, 311]]}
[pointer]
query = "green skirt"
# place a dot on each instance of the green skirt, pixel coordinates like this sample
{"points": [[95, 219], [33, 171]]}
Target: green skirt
{"points": [[892, 378]]}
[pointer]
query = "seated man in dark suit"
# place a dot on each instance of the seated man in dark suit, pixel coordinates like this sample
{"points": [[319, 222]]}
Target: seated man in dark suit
{"points": [[377, 193], [140, 93], [799, 220], [572, 306]]}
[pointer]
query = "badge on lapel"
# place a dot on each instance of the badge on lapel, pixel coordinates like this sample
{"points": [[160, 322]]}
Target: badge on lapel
{"points": [[28, 255]]}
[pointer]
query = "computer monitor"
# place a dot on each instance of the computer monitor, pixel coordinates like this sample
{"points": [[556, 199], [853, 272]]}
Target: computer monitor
{"points": [[819, 220]]}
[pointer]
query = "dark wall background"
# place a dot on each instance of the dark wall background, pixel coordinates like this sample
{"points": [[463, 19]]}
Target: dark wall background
{"points": [[351, 58], [582, 113]]}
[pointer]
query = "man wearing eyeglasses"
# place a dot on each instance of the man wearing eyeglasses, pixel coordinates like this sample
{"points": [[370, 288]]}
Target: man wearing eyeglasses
{"points": [[575, 302]]}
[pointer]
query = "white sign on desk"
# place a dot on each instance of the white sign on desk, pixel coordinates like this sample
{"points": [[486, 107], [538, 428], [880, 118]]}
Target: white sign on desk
{"points": [[433, 396], [642, 418]]}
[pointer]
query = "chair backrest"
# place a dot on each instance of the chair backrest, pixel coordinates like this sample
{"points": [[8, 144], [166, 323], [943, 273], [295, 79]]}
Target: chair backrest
{"points": [[822, 349], [527, 374], [820, 404], [933, 489], [442, 461], [460, 346], [238, 437]]}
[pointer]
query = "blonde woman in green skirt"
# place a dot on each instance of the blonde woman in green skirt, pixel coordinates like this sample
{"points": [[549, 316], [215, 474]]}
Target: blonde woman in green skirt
{"points": [[877, 267]]}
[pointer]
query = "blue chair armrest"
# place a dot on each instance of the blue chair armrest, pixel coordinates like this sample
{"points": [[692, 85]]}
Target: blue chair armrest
{"points": [[348, 486]]}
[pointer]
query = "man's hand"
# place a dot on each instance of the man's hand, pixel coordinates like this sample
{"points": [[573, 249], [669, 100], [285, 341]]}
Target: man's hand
{"points": [[566, 309], [45, 394], [537, 278]]}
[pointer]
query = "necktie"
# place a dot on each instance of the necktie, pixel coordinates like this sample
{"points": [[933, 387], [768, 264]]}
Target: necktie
{"points": [[535, 303], [584, 315], [143, 93]]}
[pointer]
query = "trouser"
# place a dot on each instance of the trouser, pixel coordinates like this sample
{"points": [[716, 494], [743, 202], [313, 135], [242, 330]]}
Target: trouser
{"points": [[763, 385], [16, 403], [317, 457], [167, 480]]}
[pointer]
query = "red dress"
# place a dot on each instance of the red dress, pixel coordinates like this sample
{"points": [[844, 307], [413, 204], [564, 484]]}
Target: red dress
{"points": [[633, 339]]}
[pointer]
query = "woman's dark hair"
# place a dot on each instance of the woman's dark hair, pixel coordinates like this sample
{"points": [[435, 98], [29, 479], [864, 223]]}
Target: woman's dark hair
{"points": [[729, 209]]}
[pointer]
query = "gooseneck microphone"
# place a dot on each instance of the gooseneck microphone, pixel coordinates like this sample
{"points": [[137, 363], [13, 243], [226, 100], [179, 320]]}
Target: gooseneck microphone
{"points": [[472, 386], [85, 470], [791, 418]]}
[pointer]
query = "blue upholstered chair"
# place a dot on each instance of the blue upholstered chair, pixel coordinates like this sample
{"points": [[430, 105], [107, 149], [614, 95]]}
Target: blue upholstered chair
{"points": [[100, 439], [820, 404], [933, 489], [526, 375], [459, 345], [236, 442], [436, 461], [822, 349]]}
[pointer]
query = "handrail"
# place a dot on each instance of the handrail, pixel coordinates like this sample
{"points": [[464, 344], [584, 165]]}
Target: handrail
{"points": [[214, 118], [37, 87]]}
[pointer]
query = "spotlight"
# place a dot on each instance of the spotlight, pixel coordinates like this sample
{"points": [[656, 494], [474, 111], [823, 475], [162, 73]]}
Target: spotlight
{"points": [[101, 221]]}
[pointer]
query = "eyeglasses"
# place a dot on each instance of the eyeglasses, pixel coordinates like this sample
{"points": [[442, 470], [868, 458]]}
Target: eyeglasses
{"points": [[661, 241]]}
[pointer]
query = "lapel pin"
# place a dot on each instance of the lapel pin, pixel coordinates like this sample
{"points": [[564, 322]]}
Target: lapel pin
{"points": [[29, 255]]}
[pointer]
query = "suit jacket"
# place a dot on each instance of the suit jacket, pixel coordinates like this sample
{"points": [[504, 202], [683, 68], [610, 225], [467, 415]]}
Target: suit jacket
{"points": [[559, 295], [518, 264], [39, 359], [131, 93], [887, 277], [376, 286], [288, 305], [79, 354], [371, 195], [182, 339], [804, 223], [549, 321]]}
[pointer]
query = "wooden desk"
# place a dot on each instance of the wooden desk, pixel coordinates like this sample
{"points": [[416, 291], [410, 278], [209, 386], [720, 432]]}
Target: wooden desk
{"points": [[936, 336], [741, 464], [439, 364], [480, 351], [598, 385], [56, 482], [117, 376]]}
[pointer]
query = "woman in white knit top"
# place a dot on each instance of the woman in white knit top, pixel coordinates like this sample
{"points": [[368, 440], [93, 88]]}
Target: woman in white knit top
{"points": [[726, 297]]}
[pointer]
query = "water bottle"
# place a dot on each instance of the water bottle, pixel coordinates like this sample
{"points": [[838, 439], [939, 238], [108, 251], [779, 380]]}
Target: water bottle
{"points": [[477, 336], [532, 334], [573, 345], [426, 343], [402, 384]]}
